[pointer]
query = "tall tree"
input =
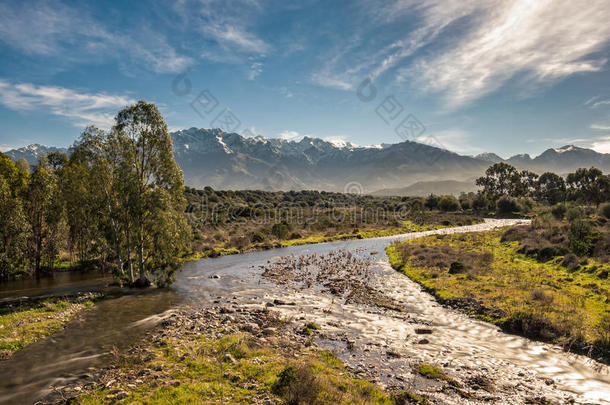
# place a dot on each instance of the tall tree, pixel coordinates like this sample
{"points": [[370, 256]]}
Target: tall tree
{"points": [[584, 184], [501, 179], [99, 153], [551, 188], [14, 231], [153, 187], [43, 216]]}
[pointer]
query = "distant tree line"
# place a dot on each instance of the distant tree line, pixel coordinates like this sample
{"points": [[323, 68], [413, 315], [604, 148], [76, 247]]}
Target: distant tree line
{"points": [[586, 186], [117, 200]]}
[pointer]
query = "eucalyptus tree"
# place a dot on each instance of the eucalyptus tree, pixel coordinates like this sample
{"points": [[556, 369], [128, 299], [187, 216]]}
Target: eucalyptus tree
{"points": [[45, 214], [14, 229], [152, 191], [96, 154]]}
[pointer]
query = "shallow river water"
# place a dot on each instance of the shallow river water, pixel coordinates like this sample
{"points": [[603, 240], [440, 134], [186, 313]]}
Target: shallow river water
{"points": [[456, 340]]}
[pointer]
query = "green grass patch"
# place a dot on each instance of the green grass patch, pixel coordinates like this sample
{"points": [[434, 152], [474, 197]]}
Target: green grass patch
{"points": [[541, 300], [25, 323], [431, 372], [236, 369]]}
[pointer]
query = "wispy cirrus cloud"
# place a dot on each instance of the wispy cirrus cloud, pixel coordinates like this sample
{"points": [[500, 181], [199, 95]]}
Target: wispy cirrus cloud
{"points": [[72, 35], [473, 47], [600, 127], [80, 108]]}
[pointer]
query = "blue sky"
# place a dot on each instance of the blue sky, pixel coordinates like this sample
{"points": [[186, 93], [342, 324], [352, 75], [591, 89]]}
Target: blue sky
{"points": [[509, 77]]}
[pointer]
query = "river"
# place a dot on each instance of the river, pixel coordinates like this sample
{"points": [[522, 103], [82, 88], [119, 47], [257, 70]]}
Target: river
{"points": [[457, 339]]}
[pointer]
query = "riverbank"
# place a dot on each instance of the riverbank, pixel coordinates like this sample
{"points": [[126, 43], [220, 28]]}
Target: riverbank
{"points": [[368, 231], [486, 277], [25, 322], [223, 354]]}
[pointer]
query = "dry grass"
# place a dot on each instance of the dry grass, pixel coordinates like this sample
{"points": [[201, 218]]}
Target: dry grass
{"points": [[539, 299]]}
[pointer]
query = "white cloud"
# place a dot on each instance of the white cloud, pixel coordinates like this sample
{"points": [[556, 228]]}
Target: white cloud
{"points": [[225, 23], [256, 68], [80, 108], [69, 34], [478, 45], [600, 127], [602, 144], [233, 36], [544, 40], [291, 136], [601, 102]]}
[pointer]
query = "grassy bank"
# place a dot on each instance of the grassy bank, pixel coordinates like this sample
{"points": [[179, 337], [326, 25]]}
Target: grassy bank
{"points": [[200, 359], [487, 277], [235, 369], [24, 323], [230, 246]]}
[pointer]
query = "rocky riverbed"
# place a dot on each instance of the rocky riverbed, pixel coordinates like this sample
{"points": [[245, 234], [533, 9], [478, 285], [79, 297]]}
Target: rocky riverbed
{"points": [[345, 298]]}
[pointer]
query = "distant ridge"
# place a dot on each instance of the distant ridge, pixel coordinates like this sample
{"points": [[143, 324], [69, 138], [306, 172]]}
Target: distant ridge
{"points": [[212, 157]]}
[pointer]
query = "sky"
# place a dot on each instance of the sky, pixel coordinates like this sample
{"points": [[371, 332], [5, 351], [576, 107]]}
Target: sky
{"points": [[502, 76]]}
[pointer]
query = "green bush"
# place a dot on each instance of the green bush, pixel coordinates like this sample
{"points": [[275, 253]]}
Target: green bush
{"points": [[258, 237], [297, 386], [579, 234], [280, 230], [507, 205], [559, 211], [465, 203], [574, 213], [448, 203], [480, 203], [431, 202]]}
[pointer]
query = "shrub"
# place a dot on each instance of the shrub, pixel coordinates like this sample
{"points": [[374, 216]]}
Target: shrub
{"points": [[544, 220], [456, 268], [297, 385], [570, 261], [524, 205], [480, 203], [465, 203], [549, 252], [448, 203], [604, 210], [506, 205], [579, 235], [258, 237], [280, 230], [575, 213], [559, 211], [542, 296], [431, 202]]}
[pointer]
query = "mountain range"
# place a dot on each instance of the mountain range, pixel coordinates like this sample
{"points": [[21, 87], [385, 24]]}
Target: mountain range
{"points": [[211, 157]]}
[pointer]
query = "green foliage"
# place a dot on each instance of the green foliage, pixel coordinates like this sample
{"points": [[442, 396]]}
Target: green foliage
{"points": [[559, 211], [580, 235], [280, 230], [507, 205], [563, 300], [14, 231], [501, 179], [432, 372], [589, 186], [431, 202], [551, 188], [604, 210], [448, 203], [29, 322]]}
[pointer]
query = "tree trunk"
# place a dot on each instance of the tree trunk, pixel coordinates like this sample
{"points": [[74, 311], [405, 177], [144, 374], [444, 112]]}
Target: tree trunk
{"points": [[141, 253], [129, 261]]}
